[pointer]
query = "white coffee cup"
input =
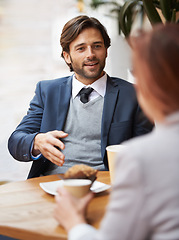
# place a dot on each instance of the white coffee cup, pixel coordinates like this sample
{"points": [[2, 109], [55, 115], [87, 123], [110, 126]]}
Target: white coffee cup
{"points": [[112, 152], [77, 187]]}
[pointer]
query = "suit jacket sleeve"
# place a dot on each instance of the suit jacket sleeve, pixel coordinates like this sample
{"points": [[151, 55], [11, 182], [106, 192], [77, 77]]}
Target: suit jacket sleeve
{"points": [[20, 141]]}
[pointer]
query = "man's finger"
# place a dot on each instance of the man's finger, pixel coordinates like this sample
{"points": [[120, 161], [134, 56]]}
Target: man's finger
{"points": [[59, 134]]}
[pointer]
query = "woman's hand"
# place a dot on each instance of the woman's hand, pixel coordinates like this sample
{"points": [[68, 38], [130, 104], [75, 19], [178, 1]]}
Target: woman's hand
{"points": [[69, 210]]}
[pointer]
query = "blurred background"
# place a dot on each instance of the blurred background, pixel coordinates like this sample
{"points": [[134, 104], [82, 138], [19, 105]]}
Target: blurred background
{"points": [[30, 51]]}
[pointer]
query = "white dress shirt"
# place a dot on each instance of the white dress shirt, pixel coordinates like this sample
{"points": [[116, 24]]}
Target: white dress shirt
{"points": [[99, 87]]}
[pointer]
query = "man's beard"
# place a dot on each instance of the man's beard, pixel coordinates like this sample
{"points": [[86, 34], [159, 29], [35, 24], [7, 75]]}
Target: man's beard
{"points": [[87, 73]]}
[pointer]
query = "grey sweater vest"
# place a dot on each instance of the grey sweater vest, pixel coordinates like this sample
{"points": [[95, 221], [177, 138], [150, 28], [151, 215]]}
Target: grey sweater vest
{"points": [[83, 144]]}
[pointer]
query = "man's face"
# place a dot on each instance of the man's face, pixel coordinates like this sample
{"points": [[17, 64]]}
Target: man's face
{"points": [[87, 55]]}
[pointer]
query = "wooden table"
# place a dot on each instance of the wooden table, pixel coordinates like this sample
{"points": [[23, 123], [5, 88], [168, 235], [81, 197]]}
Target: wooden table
{"points": [[26, 211]]}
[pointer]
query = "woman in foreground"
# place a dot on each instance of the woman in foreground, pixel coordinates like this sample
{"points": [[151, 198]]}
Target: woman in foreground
{"points": [[144, 202]]}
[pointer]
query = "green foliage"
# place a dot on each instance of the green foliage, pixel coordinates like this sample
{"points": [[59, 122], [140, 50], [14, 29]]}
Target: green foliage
{"points": [[130, 9]]}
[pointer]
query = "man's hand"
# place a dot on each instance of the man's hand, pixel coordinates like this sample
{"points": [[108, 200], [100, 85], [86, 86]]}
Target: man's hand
{"points": [[69, 210], [47, 143]]}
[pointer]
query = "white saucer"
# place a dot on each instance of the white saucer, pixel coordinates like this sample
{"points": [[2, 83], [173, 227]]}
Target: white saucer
{"points": [[51, 187]]}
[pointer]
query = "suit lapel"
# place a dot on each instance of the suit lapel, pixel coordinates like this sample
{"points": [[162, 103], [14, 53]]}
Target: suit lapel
{"points": [[108, 110], [65, 91]]}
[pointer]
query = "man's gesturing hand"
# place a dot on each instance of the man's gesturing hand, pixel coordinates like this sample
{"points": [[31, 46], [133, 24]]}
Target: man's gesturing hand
{"points": [[47, 143]]}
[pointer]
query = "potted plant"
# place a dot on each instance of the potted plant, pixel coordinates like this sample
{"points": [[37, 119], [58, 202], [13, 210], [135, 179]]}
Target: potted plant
{"points": [[126, 12]]}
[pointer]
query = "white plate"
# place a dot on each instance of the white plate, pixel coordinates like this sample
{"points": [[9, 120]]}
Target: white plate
{"points": [[51, 187]]}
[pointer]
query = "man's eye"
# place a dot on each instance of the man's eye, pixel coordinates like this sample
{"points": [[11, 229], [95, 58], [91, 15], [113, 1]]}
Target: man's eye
{"points": [[98, 46], [80, 49]]}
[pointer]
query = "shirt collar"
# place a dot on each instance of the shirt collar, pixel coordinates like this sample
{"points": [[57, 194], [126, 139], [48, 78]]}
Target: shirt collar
{"points": [[99, 86]]}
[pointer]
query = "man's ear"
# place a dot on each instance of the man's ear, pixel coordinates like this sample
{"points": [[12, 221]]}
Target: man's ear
{"points": [[67, 57]]}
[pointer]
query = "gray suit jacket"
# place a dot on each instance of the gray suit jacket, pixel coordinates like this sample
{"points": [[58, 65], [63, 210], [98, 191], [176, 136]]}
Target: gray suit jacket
{"points": [[122, 118], [144, 203]]}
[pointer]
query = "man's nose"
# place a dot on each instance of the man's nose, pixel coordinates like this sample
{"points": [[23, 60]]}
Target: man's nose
{"points": [[90, 52]]}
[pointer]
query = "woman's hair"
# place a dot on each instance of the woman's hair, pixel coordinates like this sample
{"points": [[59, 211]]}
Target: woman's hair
{"points": [[158, 52], [75, 26]]}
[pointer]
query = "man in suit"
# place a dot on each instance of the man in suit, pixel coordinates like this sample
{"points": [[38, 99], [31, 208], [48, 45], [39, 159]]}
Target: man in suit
{"points": [[71, 120]]}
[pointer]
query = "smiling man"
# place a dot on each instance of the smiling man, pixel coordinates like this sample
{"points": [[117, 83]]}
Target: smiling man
{"points": [[87, 56], [71, 120]]}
